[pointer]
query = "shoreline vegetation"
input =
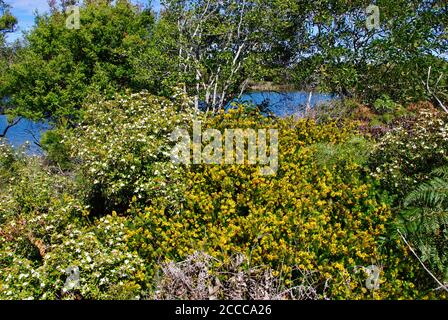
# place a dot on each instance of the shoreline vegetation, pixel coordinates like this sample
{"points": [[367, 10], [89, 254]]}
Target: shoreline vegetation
{"points": [[268, 86], [149, 185]]}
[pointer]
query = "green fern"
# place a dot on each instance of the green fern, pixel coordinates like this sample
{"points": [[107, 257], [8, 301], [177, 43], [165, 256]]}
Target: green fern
{"points": [[441, 172], [425, 221], [433, 194]]}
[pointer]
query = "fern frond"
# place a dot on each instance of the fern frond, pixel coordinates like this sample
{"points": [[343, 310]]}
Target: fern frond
{"points": [[441, 172], [433, 194]]}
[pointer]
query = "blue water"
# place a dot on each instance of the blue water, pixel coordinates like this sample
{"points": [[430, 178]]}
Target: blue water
{"points": [[287, 103], [26, 132], [280, 104]]}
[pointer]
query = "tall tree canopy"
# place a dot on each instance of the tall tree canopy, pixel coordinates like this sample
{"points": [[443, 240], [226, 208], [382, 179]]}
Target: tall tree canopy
{"points": [[214, 49], [59, 67], [7, 20], [345, 57], [7, 24]]}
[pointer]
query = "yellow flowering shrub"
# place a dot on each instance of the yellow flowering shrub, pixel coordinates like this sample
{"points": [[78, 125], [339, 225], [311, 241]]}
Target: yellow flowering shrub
{"points": [[329, 220], [321, 222]]}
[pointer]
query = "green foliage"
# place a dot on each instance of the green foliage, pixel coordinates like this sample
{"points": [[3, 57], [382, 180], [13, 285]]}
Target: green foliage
{"points": [[319, 219], [341, 55], [410, 160], [306, 218], [59, 67], [327, 211], [56, 151], [123, 148], [7, 21], [432, 194], [155, 64], [425, 221], [356, 150], [214, 47], [384, 104], [107, 270], [406, 155], [7, 24], [43, 231]]}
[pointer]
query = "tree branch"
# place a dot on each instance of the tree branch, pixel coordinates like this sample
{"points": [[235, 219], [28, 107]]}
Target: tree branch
{"points": [[441, 285], [9, 126], [432, 93]]}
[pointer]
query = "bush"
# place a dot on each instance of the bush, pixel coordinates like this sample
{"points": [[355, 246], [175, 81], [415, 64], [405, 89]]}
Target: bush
{"points": [[406, 155], [425, 221], [325, 220], [106, 269], [57, 153], [123, 147], [321, 219], [44, 230]]}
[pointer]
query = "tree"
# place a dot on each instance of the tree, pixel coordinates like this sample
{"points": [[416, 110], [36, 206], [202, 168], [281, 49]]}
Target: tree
{"points": [[7, 24], [343, 56], [7, 21], [58, 68], [216, 47]]}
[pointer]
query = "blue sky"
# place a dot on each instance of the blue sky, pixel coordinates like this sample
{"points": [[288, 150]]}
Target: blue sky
{"points": [[24, 11]]}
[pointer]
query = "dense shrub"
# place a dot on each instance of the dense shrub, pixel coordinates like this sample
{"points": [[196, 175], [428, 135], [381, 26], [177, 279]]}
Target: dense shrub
{"points": [[326, 220], [407, 161], [123, 149], [407, 154], [44, 231], [106, 269], [321, 219], [424, 221]]}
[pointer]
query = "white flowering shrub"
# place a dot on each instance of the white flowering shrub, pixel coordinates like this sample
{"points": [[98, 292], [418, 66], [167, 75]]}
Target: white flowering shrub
{"points": [[6, 155], [405, 160], [123, 147], [106, 269], [7, 159], [44, 230], [406, 155]]}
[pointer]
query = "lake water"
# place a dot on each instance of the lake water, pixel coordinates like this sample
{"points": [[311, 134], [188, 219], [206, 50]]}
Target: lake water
{"points": [[25, 131], [281, 104], [287, 103]]}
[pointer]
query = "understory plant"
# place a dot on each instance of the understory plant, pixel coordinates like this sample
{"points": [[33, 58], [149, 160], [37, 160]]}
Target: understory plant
{"points": [[425, 221]]}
